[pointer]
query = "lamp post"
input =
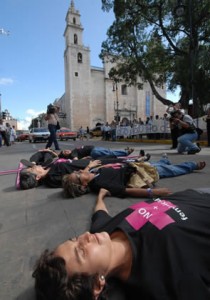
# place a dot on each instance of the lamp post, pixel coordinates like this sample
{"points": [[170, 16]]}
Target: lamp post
{"points": [[179, 11], [115, 89]]}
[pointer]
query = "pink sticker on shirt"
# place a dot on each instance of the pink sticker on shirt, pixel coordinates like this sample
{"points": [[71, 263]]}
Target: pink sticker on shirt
{"points": [[150, 212]]}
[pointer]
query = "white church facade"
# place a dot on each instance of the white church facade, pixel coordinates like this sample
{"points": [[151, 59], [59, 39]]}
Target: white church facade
{"points": [[90, 96]]}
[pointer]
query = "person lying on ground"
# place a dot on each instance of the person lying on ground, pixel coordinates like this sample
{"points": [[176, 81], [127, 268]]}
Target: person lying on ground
{"points": [[34, 175], [46, 156], [158, 249], [129, 179], [51, 174]]}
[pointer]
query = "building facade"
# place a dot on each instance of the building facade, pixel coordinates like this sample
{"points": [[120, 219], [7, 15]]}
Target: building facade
{"points": [[90, 96]]}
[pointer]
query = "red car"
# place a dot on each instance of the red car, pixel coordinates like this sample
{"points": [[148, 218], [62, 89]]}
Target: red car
{"points": [[22, 135], [65, 134]]}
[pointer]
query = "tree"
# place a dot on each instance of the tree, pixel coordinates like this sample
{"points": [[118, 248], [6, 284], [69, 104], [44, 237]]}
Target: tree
{"points": [[150, 39]]}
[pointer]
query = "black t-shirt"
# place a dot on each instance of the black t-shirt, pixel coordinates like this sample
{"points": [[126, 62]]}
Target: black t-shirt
{"points": [[81, 152], [114, 180], [58, 170], [170, 241]]}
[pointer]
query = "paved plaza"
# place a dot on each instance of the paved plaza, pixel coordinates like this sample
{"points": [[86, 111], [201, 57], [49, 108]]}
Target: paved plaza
{"points": [[33, 220]]}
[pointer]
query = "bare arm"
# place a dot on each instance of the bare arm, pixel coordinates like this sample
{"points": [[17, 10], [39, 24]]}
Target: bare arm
{"points": [[147, 193], [49, 150], [100, 205]]}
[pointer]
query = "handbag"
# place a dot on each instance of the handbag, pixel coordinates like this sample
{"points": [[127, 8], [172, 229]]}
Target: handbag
{"points": [[58, 125], [146, 175]]}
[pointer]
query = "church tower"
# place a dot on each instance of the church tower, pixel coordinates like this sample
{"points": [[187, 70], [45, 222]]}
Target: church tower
{"points": [[77, 72], [90, 97]]}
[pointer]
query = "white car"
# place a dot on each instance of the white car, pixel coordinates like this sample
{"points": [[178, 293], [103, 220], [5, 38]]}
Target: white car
{"points": [[38, 134]]}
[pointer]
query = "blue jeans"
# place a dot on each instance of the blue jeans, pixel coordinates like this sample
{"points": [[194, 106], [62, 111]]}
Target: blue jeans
{"points": [[166, 169], [97, 152], [186, 142], [52, 138]]}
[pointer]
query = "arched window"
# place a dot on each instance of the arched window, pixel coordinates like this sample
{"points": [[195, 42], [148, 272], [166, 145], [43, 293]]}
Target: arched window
{"points": [[74, 20], [79, 57], [75, 39]]}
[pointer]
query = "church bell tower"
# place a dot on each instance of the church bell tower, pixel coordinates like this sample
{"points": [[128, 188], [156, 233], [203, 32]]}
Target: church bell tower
{"points": [[77, 72]]}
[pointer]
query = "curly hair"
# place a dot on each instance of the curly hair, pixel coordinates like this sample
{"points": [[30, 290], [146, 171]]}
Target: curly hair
{"points": [[73, 190], [52, 281], [28, 180]]}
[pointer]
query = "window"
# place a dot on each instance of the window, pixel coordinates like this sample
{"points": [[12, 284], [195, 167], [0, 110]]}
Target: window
{"points": [[124, 89], [75, 39], [74, 20], [147, 103], [76, 74], [79, 57]]}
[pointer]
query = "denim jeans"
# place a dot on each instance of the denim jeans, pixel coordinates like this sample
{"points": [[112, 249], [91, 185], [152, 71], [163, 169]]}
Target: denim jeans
{"points": [[186, 142], [166, 169], [52, 138], [100, 151]]}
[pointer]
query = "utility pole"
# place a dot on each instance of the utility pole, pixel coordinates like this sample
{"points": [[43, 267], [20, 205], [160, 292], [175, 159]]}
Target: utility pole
{"points": [[3, 32]]}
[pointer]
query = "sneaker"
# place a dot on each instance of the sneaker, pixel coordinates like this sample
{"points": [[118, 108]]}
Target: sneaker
{"points": [[130, 150], [193, 151], [201, 165]]}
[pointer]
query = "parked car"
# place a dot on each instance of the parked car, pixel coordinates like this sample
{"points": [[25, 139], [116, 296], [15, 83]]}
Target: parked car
{"points": [[96, 131], [66, 133], [39, 134], [22, 135]]}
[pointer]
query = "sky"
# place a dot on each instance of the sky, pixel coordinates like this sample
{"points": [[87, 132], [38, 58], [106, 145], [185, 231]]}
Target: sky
{"points": [[32, 49]]}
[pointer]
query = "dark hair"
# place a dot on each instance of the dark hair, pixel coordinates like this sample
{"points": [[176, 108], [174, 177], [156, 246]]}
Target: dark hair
{"points": [[62, 155], [53, 283], [51, 109], [28, 180], [72, 190], [178, 111]]}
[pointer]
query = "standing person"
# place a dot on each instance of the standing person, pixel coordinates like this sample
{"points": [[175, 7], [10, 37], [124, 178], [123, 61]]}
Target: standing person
{"points": [[8, 132], [52, 119], [158, 249], [208, 126], [12, 135], [107, 130], [3, 131], [81, 133], [88, 133], [188, 134]]}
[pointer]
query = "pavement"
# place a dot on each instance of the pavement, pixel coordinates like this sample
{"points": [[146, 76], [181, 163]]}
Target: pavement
{"points": [[33, 220]]}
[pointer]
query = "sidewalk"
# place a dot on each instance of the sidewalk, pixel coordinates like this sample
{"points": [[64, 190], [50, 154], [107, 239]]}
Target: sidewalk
{"points": [[33, 220]]}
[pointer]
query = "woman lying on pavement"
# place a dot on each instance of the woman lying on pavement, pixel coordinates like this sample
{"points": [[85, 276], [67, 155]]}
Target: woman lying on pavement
{"points": [[158, 249], [53, 174], [50, 174], [127, 179]]}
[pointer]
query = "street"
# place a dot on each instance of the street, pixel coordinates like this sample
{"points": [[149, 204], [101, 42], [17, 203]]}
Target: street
{"points": [[36, 219]]}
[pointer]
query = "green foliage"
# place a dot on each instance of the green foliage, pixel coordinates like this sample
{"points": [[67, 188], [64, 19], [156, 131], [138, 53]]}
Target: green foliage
{"points": [[149, 40]]}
